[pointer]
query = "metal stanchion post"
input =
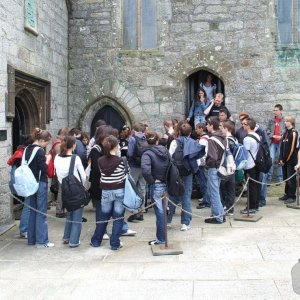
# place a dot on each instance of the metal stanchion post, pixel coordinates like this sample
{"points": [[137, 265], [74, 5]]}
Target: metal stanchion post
{"points": [[297, 204], [165, 249], [248, 217]]}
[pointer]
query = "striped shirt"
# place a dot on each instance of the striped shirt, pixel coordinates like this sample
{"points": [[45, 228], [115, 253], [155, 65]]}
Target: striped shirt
{"points": [[112, 173]]}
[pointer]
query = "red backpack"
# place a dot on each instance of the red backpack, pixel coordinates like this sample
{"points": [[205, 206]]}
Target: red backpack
{"points": [[51, 169]]}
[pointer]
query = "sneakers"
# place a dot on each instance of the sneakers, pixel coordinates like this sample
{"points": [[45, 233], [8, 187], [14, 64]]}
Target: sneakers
{"points": [[230, 212], [23, 235], [136, 217], [201, 205], [283, 198], [154, 242], [169, 225], [246, 211], [83, 219], [289, 200], [105, 237], [129, 232], [214, 220], [48, 245], [61, 215], [117, 248], [185, 227]]}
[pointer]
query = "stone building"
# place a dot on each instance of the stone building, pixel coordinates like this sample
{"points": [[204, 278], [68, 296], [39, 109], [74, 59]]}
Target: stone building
{"points": [[73, 62]]}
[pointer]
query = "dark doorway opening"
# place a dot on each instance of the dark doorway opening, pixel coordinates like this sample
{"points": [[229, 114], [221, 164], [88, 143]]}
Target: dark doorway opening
{"points": [[194, 81], [110, 116]]}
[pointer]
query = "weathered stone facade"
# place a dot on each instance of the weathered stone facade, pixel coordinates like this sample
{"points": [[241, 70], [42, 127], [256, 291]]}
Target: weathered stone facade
{"points": [[43, 56], [233, 39]]}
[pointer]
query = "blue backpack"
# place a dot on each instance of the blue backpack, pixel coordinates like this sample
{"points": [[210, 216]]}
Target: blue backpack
{"points": [[239, 154]]}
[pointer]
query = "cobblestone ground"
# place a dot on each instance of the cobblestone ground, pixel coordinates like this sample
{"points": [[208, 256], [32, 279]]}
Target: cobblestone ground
{"points": [[235, 260]]}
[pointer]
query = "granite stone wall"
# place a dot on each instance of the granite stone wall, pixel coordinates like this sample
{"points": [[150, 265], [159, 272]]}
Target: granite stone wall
{"points": [[234, 39], [44, 56]]}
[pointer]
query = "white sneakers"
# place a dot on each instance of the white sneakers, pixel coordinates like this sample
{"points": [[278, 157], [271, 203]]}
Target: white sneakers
{"points": [[48, 245], [105, 237], [185, 227], [129, 232]]}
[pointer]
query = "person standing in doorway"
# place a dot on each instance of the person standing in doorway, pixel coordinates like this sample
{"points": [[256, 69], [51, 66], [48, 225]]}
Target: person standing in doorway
{"points": [[209, 87]]}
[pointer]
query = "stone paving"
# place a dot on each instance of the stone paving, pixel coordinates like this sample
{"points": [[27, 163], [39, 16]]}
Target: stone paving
{"points": [[235, 260]]}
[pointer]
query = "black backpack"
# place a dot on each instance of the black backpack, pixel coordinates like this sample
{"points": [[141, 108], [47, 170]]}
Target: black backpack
{"points": [[174, 182], [74, 194], [140, 146], [177, 159], [263, 161]]}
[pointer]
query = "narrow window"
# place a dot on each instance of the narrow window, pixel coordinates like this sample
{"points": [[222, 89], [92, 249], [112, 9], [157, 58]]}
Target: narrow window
{"points": [[139, 24], [285, 21]]}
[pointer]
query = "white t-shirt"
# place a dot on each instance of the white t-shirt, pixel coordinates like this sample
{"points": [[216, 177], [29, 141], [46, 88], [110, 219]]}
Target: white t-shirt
{"points": [[251, 145], [62, 165]]}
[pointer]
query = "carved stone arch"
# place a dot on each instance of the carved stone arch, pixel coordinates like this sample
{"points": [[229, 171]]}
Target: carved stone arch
{"points": [[203, 59], [27, 105], [91, 110]]}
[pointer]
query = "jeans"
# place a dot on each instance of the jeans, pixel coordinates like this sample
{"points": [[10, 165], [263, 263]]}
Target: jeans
{"points": [[263, 177], [59, 204], [290, 185], [274, 152], [73, 230], [201, 175], [253, 188], [111, 206], [185, 201], [199, 119], [156, 193], [25, 217], [38, 225], [137, 176], [227, 189], [213, 189]]}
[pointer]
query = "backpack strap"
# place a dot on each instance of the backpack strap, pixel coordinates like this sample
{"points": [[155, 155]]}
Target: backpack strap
{"points": [[219, 143], [125, 164], [34, 151], [256, 139], [97, 147], [72, 164]]}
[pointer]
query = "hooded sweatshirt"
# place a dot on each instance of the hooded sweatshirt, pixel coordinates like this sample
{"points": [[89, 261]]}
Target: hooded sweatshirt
{"points": [[154, 163], [112, 172]]}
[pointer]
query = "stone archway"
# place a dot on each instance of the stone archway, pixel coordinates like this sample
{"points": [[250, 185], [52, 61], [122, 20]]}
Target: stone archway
{"points": [[203, 59], [90, 112]]}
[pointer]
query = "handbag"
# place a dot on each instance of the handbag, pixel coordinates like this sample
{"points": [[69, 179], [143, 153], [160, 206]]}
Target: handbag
{"points": [[133, 199]]}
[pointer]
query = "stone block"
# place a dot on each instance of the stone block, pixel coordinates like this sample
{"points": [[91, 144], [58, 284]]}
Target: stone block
{"points": [[153, 80], [200, 26], [215, 9], [145, 95]]}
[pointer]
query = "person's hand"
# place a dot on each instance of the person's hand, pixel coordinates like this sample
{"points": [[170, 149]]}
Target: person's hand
{"points": [[281, 163], [297, 167], [188, 119], [48, 158]]}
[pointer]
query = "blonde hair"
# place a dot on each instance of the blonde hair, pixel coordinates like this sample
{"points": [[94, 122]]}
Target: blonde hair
{"points": [[290, 119]]}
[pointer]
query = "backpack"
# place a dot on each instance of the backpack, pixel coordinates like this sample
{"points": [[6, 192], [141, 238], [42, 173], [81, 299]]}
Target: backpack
{"points": [[263, 160], [227, 166], [239, 154], [51, 169], [140, 146], [175, 185], [133, 199], [25, 183], [177, 159], [74, 194]]}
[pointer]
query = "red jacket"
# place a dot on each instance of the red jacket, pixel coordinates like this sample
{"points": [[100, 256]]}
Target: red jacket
{"points": [[17, 156]]}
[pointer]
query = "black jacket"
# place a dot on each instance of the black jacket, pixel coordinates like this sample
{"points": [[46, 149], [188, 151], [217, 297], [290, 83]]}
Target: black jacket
{"points": [[288, 147], [154, 163]]}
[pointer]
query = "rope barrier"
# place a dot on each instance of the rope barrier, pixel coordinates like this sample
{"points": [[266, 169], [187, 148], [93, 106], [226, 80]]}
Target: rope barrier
{"points": [[152, 204]]}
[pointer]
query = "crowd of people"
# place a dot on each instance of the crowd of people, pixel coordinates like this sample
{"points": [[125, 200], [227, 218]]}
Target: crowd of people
{"points": [[196, 146]]}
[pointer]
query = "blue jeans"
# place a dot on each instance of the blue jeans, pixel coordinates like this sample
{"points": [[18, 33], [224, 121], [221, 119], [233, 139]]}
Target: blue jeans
{"points": [[73, 230], [38, 225], [185, 201], [111, 206], [274, 152], [156, 193], [201, 175], [213, 189], [263, 177], [199, 119], [25, 217]]}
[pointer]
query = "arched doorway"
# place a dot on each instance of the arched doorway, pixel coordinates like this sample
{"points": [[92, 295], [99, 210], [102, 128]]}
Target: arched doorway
{"points": [[26, 116], [194, 81], [110, 116]]}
